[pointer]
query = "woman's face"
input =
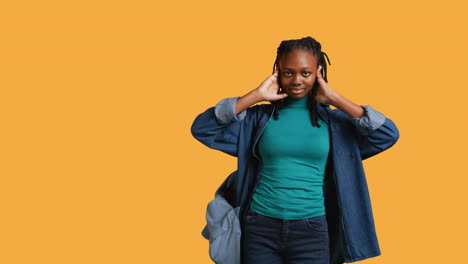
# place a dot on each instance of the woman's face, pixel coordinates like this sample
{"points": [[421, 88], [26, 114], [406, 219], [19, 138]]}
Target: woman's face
{"points": [[297, 73]]}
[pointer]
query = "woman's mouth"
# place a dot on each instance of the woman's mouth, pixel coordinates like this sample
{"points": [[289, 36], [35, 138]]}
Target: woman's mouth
{"points": [[296, 91]]}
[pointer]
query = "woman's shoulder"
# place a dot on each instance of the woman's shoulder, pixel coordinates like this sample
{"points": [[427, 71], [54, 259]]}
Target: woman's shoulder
{"points": [[339, 117], [260, 109], [337, 113]]}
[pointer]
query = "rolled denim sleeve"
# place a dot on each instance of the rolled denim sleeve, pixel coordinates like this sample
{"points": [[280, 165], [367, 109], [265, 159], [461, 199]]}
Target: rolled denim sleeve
{"points": [[371, 120], [225, 111]]}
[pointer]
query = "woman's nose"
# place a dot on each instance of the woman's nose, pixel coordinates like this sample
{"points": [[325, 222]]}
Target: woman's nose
{"points": [[296, 80]]}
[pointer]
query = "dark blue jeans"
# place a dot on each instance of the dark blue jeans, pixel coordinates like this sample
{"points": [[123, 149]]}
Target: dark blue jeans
{"points": [[267, 240]]}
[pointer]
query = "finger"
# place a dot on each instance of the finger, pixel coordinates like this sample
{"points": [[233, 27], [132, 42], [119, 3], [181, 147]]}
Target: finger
{"points": [[319, 74], [273, 77]]}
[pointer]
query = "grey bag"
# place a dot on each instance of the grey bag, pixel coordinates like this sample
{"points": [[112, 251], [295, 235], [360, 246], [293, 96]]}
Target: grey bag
{"points": [[223, 227]]}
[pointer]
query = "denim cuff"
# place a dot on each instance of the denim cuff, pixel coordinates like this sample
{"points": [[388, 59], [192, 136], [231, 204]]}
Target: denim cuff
{"points": [[225, 111], [371, 120]]}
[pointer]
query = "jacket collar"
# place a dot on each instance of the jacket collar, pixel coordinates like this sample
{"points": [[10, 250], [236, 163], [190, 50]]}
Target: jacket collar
{"points": [[322, 110]]}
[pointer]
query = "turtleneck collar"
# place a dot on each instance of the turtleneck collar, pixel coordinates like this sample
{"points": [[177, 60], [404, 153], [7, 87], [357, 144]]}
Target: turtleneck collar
{"points": [[291, 102]]}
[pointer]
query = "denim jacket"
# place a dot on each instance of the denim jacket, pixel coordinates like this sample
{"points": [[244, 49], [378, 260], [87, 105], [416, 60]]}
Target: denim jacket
{"points": [[348, 207]]}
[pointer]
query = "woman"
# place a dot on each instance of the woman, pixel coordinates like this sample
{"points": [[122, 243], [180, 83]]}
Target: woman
{"points": [[301, 188]]}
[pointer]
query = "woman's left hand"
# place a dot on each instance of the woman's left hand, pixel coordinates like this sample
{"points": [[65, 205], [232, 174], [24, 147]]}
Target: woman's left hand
{"points": [[325, 94]]}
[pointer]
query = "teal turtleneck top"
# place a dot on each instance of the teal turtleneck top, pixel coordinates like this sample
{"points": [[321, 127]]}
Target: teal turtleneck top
{"points": [[294, 155]]}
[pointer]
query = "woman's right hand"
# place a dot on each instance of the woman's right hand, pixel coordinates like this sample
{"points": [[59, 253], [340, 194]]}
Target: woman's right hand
{"points": [[268, 89]]}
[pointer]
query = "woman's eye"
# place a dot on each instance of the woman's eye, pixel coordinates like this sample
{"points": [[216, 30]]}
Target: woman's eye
{"points": [[289, 74]]}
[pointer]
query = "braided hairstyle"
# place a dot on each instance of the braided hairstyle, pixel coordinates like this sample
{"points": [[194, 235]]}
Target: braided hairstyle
{"points": [[308, 44]]}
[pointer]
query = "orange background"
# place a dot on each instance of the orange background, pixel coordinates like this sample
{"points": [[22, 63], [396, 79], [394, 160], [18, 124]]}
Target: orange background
{"points": [[97, 163]]}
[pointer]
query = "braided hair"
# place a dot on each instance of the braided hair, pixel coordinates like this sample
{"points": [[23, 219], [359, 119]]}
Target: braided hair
{"points": [[308, 44]]}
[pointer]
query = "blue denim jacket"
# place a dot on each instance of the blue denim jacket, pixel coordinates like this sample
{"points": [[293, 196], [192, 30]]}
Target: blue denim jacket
{"points": [[348, 207]]}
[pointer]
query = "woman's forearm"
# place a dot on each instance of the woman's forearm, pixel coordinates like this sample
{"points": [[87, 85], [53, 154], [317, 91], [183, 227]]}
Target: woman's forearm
{"points": [[247, 100], [345, 105]]}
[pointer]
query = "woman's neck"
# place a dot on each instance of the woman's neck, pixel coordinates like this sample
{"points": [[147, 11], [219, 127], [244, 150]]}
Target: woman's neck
{"points": [[291, 102]]}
